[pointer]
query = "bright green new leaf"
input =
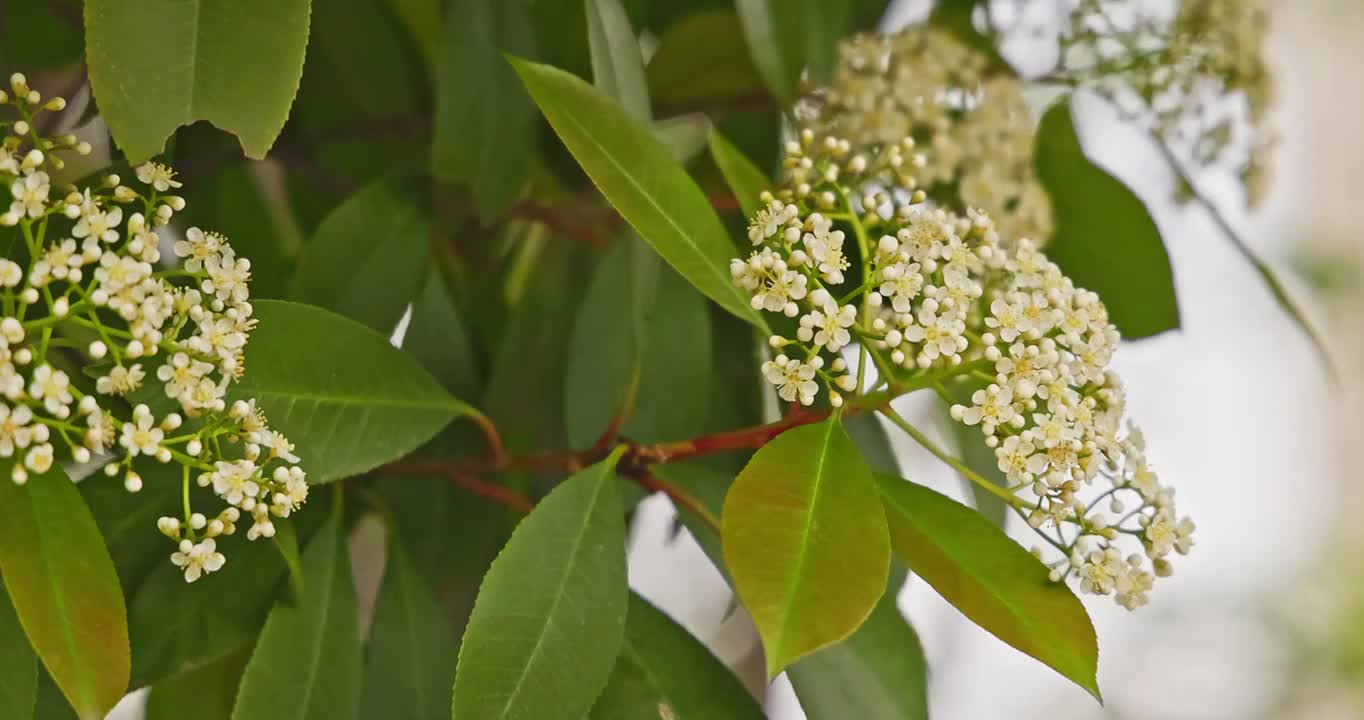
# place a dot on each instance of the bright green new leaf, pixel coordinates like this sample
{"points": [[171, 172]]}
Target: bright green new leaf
{"points": [[662, 665], [484, 134], [744, 178], [346, 398], [235, 64], [641, 179], [702, 58], [550, 617], [210, 690], [805, 540], [877, 674], [410, 661], [1102, 226], [617, 65], [368, 258], [991, 579], [64, 589], [306, 665], [18, 666]]}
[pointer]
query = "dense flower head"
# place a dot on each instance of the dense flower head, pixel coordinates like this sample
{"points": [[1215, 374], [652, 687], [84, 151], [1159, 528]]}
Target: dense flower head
{"points": [[973, 125], [93, 289], [850, 249]]}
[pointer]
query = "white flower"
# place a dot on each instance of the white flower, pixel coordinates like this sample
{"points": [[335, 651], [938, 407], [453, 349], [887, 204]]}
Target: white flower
{"points": [[992, 406], [140, 436], [39, 458], [14, 430], [825, 247], [938, 335], [97, 223], [10, 273], [902, 282], [53, 388], [227, 276], [235, 481], [829, 327], [794, 379], [198, 560], [30, 194], [99, 435], [769, 220], [182, 374], [120, 380], [197, 247], [157, 175]]}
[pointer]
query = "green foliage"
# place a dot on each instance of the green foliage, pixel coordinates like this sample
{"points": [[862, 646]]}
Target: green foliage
{"points": [[236, 65], [18, 666], [744, 178], [703, 58], [806, 541], [617, 66], [990, 579], [1105, 239], [211, 690], [64, 589]]}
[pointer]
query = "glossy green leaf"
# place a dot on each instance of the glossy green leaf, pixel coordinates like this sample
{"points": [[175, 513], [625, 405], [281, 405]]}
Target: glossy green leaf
{"points": [[685, 135], [210, 691], [65, 589], [550, 616], [484, 134], [51, 704], [18, 665], [871, 439], [641, 179], [438, 338], [662, 665], [410, 660], [346, 398], [617, 65], [991, 579], [1102, 225], [805, 540], [744, 178], [368, 258], [701, 59], [128, 521], [306, 665], [877, 674], [234, 64], [286, 541]]}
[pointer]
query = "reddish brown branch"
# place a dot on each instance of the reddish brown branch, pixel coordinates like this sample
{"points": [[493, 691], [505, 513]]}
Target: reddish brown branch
{"points": [[496, 493]]}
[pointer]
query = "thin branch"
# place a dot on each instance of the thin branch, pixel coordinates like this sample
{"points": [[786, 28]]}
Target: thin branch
{"points": [[680, 497], [490, 491]]}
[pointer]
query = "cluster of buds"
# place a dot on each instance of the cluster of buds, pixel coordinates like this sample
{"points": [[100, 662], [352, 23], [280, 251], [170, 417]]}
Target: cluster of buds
{"points": [[849, 248], [110, 352]]}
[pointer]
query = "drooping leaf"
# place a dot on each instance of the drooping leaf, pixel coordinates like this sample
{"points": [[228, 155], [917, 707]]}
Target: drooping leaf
{"points": [[1102, 225], [65, 590], [234, 64], [550, 616], [346, 398], [701, 59], [369, 256], [877, 674], [991, 579], [805, 541], [483, 126], [617, 65], [744, 178], [641, 179], [18, 666], [210, 690], [662, 666], [775, 34], [410, 660], [306, 665]]}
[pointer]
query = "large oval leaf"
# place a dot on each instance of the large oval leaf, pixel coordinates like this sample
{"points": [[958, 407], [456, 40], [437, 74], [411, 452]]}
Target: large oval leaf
{"points": [[306, 665], [367, 259], [639, 176], [410, 661], [991, 579], [235, 64], [617, 65], [744, 178], [18, 666], [662, 665], [805, 540], [550, 617], [347, 399], [1101, 225], [211, 690], [65, 590]]}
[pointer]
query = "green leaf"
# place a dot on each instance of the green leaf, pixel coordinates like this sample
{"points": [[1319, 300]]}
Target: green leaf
{"points": [[210, 690], [483, 125], [617, 65], [825, 23], [977, 456], [64, 589], [805, 540], [33, 33], [286, 541], [991, 579], [744, 178], [410, 661], [306, 665], [347, 399], [1102, 225], [877, 674], [369, 256], [437, 337], [774, 31], [234, 64], [550, 616], [18, 666], [685, 135], [128, 521], [871, 439], [641, 179], [248, 211], [51, 704], [701, 59], [662, 665]]}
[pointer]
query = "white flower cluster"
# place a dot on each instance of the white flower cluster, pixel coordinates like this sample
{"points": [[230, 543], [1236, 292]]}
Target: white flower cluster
{"points": [[846, 248], [85, 286], [1197, 77], [973, 126]]}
